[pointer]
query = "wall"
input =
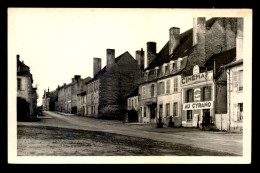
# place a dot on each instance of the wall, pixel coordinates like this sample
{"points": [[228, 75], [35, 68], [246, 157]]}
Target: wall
{"points": [[170, 98], [234, 97], [115, 85], [144, 101]]}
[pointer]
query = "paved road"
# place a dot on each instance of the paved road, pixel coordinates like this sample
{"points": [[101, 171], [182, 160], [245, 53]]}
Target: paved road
{"points": [[217, 141]]}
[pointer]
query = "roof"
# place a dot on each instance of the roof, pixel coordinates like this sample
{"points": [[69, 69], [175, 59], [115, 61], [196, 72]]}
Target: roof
{"points": [[134, 93], [186, 44], [221, 59], [232, 64], [103, 70]]}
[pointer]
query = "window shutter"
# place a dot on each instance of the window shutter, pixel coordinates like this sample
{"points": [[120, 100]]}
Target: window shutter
{"points": [[209, 92], [201, 94], [186, 96], [235, 80]]}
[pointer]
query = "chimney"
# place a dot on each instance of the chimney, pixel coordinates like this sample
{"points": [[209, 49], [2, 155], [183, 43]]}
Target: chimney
{"points": [[110, 58], [72, 80], [96, 65], [151, 52], [18, 57], [174, 40], [199, 30], [239, 38], [140, 58], [76, 77]]}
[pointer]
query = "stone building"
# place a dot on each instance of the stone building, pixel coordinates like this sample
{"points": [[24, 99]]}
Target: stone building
{"points": [[234, 72], [26, 93], [132, 107], [159, 89], [67, 95], [82, 98], [49, 100], [46, 101], [107, 91]]}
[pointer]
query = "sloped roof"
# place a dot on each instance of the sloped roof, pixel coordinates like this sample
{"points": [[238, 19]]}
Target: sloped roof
{"points": [[103, 70], [182, 50], [221, 59], [134, 93]]}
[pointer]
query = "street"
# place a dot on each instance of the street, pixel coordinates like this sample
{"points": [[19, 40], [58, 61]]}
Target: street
{"points": [[66, 134]]}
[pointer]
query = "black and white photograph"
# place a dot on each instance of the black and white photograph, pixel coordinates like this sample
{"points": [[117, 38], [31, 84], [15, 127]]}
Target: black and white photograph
{"points": [[129, 85]]}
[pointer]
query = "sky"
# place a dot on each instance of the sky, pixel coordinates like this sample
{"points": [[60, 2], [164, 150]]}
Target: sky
{"points": [[58, 43]]}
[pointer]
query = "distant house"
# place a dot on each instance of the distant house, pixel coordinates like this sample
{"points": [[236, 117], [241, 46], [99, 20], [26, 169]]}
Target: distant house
{"points": [[67, 95], [132, 106], [26, 93], [107, 91], [82, 98]]}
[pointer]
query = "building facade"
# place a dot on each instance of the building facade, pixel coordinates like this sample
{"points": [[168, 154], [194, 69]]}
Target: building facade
{"points": [[175, 62], [26, 93], [108, 90]]}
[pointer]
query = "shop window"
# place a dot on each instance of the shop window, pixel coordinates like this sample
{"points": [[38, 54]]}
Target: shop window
{"points": [[168, 86], [167, 109], [175, 85], [175, 109], [189, 115], [240, 112]]}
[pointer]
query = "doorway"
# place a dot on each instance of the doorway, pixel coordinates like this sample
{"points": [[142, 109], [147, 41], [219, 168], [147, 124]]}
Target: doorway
{"points": [[206, 117]]}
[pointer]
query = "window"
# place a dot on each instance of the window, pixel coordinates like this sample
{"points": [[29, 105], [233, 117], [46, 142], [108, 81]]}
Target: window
{"points": [[132, 103], [141, 111], [189, 95], [189, 115], [206, 93], [145, 111], [168, 86], [167, 109], [166, 68], [135, 102], [19, 84], [175, 109], [161, 88], [175, 85], [152, 90], [143, 92], [240, 81], [240, 112]]}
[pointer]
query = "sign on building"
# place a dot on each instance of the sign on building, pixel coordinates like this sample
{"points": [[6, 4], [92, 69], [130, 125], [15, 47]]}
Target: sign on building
{"points": [[198, 105], [197, 94]]}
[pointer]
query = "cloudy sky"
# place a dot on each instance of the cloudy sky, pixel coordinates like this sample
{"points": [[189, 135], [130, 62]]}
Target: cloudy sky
{"points": [[58, 43]]}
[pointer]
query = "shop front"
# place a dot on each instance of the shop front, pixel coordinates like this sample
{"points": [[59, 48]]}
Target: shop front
{"points": [[198, 99]]}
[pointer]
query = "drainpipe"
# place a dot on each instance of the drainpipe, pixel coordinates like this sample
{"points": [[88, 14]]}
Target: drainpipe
{"points": [[229, 121]]}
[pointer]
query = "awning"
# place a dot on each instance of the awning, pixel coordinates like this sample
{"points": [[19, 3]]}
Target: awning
{"points": [[150, 103]]}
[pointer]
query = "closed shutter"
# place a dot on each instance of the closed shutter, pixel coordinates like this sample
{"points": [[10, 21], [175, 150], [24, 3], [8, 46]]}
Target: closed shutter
{"points": [[209, 92], [235, 80]]}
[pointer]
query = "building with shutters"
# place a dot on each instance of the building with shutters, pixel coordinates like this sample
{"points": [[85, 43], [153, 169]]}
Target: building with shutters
{"points": [[234, 72], [165, 83], [26, 93]]}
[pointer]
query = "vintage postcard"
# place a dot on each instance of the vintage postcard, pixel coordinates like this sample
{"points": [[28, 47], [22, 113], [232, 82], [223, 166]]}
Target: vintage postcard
{"points": [[135, 86]]}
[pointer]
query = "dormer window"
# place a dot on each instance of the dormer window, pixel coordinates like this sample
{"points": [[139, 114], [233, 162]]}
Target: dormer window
{"points": [[179, 63], [164, 68], [171, 64], [147, 74]]}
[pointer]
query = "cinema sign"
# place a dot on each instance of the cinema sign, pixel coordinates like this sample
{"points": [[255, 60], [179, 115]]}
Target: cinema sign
{"points": [[205, 76], [198, 105]]}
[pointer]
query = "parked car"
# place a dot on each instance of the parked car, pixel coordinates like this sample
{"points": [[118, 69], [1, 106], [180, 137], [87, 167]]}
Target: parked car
{"points": [[39, 110]]}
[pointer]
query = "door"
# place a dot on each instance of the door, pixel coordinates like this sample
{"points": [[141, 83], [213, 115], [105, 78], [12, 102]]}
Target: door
{"points": [[152, 111], [206, 116]]}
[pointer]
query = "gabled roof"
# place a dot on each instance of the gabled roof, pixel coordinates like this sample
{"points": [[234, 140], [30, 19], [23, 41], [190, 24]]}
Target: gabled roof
{"points": [[103, 70], [184, 48]]}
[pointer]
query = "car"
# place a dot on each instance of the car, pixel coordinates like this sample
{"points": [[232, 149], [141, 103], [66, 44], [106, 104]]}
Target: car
{"points": [[39, 110]]}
